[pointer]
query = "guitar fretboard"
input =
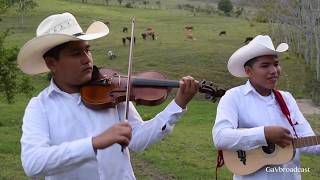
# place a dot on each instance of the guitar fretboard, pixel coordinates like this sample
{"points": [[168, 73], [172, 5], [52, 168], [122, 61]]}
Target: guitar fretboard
{"points": [[306, 141]]}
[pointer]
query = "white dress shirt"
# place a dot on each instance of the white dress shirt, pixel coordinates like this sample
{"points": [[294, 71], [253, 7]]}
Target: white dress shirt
{"points": [[57, 137], [244, 107]]}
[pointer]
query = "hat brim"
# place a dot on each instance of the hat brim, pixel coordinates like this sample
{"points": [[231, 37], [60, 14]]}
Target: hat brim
{"points": [[245, 53], [30, 58]]}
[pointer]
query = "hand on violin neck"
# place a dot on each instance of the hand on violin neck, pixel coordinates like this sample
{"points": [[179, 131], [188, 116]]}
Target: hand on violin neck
{"points": [[119, 133], [188, 88]]}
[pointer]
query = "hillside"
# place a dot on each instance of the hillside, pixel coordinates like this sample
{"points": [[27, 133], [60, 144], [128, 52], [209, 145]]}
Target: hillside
{"points": [[172, 53]]}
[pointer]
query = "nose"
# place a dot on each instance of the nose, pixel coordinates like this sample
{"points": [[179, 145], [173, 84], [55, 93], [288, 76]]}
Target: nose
{"points": [[86, 57], [274, 70]]}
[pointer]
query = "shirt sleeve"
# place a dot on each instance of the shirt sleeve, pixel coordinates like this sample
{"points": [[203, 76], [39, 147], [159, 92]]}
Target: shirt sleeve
{"points": [[302, 127], [39, 157], [225, 133], [146, 133]]}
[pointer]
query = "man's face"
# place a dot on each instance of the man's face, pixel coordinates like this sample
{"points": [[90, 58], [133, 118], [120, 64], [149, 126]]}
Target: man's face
{"points": [[264, 73], [74, 66]]}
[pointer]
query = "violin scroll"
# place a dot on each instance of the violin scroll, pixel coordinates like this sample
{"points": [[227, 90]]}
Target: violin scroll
{"points": [[211, 91]]}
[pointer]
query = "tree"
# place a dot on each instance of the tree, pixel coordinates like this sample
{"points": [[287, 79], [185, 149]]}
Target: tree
{"points": [[5, 4], [225, 6], [9, 79], [120, 2], [159, 4], [145, 3], [24, 6]]}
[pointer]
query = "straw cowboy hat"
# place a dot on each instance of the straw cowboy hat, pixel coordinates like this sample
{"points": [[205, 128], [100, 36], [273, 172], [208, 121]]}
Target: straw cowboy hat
{"points": [[52, 31], [261, 45]]}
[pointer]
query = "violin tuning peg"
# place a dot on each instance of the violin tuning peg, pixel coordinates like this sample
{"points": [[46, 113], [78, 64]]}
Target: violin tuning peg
{"points": [[207, 96], [214, 99]]}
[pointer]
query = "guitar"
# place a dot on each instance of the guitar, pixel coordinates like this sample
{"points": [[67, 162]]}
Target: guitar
{"points": [[246, 162]]}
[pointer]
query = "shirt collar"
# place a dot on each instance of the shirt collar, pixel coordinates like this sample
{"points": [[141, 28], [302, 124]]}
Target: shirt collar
{"points": [[249, 88], [53, 88]]}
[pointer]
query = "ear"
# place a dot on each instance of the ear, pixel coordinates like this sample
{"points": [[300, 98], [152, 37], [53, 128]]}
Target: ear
{"points": [[248, 70], [51, 63]]}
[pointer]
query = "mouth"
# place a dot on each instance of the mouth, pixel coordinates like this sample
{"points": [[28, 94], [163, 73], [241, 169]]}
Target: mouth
{"points": [[86, 69], [273, 79]]}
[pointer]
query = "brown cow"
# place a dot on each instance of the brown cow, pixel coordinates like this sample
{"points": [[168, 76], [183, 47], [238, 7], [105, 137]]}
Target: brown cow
{"points": [[189, 28]]}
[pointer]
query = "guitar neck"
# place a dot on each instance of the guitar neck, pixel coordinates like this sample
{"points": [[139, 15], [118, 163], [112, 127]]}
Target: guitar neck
{"points": [[306, 141]]}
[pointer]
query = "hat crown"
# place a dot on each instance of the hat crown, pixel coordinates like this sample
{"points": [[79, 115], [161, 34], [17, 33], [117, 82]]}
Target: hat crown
{"points": [[64, 23], [263, 40]]}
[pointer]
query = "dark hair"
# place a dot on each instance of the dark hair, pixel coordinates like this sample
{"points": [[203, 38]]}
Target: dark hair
{"points": [[253, 60], [250, 62], [55, 51]]}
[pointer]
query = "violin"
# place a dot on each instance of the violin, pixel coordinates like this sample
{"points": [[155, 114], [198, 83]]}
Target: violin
{"points": [[108, 87]]}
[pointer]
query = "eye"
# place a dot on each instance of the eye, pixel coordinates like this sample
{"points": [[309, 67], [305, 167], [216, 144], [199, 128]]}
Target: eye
{"points": [[76, 53]]}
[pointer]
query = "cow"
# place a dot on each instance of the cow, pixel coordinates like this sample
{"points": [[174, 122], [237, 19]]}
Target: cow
{"points": [[129, 38], [124, 29], [148, 33], [222, 33], [247, 40], [190, 36], [149, 29], [144, 35], [189, 28], [107, 23]]}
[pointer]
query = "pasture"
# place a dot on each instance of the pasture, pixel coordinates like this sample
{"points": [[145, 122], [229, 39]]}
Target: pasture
{"points": [[188, 153]]}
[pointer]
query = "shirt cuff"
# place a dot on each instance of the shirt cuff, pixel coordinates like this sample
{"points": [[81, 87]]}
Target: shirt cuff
{"points": [[260, 136], [83, 148], [172, 113]]}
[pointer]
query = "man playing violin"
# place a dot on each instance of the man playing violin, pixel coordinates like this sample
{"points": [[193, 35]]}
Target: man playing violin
{"points": [[62, 138]]}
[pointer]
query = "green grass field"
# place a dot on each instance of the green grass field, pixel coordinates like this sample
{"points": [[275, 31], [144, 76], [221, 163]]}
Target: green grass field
{"points": [[187, 153]]}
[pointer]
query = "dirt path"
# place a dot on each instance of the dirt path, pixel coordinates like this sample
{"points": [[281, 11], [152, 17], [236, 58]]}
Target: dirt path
{"points": [[307, 107]]}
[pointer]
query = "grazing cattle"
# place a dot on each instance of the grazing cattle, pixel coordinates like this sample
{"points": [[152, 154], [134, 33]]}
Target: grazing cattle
{"points": [[107, 23], [144, 36], [247, 40], [124, 29], [222, 33], [111, 55], [190, 36], [148, 33], [189, 28], [129, 38], [149, 29]]}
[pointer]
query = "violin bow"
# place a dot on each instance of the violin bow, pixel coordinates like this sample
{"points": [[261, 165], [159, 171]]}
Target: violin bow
{"points": [[128, 93]]}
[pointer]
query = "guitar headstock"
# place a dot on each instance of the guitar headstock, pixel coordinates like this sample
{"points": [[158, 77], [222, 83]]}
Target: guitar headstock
{"points": [[211, 91]]}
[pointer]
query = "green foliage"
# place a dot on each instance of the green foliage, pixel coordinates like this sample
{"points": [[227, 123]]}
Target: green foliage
{"points": [[9, 82], [5, 5], [8, 69], [225, 6], [120, 2], [261, 17], [129, 5]]}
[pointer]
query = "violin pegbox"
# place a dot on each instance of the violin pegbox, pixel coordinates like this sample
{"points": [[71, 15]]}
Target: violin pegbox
{"points": [[211, 91]]}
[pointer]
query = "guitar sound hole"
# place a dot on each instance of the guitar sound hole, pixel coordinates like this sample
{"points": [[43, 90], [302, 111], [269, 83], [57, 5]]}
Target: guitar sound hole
{"points": [[269, 149]]}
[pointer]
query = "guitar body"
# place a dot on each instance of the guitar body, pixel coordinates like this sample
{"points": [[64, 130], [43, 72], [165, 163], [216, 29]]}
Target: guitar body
{"points": [[247, 162]]}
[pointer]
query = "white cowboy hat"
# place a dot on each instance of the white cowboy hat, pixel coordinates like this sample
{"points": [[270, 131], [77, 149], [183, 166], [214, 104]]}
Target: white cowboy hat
{"points": [[261, 45], [52, 31]]}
